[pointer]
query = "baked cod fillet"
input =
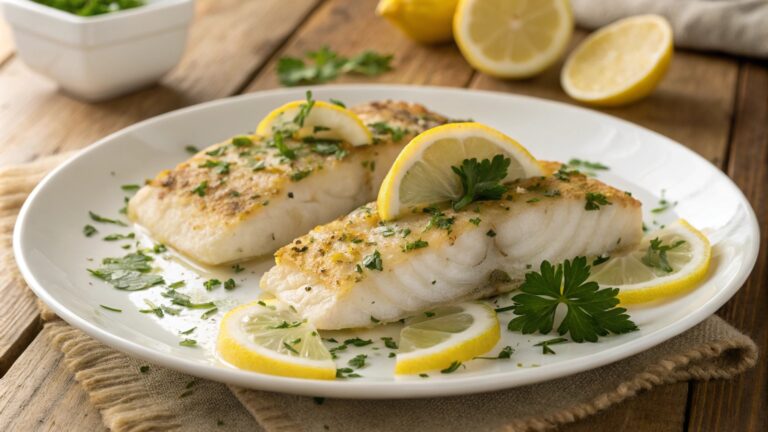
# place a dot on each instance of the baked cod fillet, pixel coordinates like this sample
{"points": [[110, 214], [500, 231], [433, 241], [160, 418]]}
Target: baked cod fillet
{"points": [[246, 197], [358, 270]]}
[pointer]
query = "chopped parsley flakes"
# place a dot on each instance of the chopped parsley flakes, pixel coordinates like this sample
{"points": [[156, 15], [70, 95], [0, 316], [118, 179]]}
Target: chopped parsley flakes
{"points": [[130, 273], [595, 200], [656, 254], [373, 261]]}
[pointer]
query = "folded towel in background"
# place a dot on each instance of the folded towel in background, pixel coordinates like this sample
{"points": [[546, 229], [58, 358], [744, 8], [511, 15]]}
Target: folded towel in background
{"points": [[731, 26]]}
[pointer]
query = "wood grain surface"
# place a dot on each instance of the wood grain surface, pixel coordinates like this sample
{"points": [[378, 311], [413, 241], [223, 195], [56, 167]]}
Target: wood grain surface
{"points": [[715, 105]]}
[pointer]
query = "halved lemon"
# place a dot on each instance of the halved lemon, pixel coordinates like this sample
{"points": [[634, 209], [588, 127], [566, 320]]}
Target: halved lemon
{"points": [[324, 120], [512, 38], [619, 63], [272, 338], [425, 21], [422, 174], [666, 263], [435, 339]]}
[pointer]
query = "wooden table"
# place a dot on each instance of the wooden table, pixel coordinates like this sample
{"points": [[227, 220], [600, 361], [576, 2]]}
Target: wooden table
{"points": [[716, 105]]}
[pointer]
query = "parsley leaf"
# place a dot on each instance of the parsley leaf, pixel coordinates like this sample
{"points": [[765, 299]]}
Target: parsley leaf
{"points": [[504, 354], [418, 244], [373, 261], [326, 65], [383, 128], [128, 273], [481, 180], [656, 255], [358, 361], [282, 148], [545, 349], [89, 230], [452, 368], [595, 200], [102, 219], [592, 311]]}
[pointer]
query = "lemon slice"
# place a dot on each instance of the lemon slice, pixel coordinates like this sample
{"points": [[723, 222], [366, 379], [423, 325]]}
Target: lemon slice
{"points": [[435, 339], [425, 21], [643, 275], [272, 338], [422, 174], [325, 120], [512, 38], [619, 63]]}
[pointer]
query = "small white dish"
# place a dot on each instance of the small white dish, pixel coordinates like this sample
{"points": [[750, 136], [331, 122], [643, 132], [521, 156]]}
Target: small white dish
{"points": [[100, 57], [53, 253]]}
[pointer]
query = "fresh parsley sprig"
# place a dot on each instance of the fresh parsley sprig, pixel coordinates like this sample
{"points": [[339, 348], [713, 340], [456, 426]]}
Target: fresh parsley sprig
{"points": [[481, 180], [326, 65], [592, 311]]}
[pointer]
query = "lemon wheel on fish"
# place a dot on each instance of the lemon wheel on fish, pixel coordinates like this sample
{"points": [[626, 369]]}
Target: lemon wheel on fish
{"points": [[324, 120], [666, 263], [447, 335], [422, 173]]}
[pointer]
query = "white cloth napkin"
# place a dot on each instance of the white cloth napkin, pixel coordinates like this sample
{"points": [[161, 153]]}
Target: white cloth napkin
{"points": [[731, 26]]}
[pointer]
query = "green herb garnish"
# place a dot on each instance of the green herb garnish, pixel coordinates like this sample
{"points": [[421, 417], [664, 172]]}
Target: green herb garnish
{"points": [[209, 313], [505, 353], [325, 65], [389, 342], [545, 345], [210, 284], [452, 368], [383, 128], [89, 230], [109, 308], [229, 284], [347, 373], [281, 147], [656, 254], [201, 188], [242, 141], [128, 273], [358, 342], [115, 237], [102, 219], [358, 361], [418, 244], [481, 180], [91, 7], [595, 200], [188, 343], [592, 311], [373, 261]]}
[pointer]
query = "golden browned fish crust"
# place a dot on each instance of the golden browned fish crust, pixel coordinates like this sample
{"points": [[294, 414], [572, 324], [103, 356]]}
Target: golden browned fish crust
{"points": [[334, 253], [206, 199]]}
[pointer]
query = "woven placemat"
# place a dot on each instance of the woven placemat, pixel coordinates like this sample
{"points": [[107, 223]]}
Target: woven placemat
{"points": [[163, 399]]}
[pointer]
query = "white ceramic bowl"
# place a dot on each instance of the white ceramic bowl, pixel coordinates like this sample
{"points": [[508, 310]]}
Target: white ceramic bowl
{"points": [[100, 57]]}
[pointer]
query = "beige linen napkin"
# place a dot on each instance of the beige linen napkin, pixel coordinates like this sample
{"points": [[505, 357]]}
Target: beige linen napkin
{"points": [[732, 26], [132, 397]]}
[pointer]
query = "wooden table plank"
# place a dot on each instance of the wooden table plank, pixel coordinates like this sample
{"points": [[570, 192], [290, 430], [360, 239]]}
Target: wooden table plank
{"points": [[229, 40], [39, 393], [352, 27], [741, 404], [681, 110], [35, 120]]}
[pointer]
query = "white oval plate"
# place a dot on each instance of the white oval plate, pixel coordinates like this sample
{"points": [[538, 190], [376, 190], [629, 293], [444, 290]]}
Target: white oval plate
{"points": [[53, 253]]}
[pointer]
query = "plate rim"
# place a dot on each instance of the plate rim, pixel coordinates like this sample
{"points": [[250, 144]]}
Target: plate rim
{"points": [[381, 389]]}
